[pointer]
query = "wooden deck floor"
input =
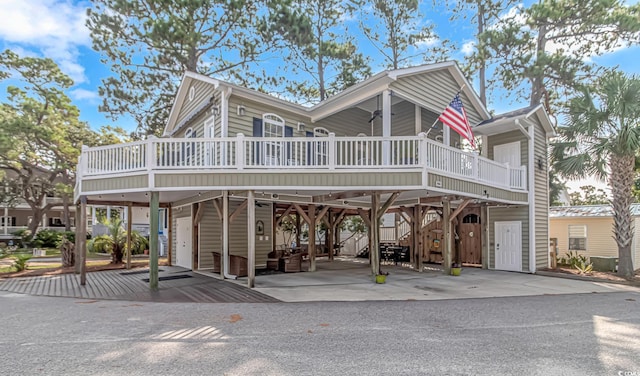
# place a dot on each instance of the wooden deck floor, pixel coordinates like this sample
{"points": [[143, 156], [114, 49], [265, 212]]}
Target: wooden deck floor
{"points": [[115, 285]]}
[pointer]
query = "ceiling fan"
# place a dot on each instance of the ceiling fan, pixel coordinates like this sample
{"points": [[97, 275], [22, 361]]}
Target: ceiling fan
{"points": [[377, 112]]}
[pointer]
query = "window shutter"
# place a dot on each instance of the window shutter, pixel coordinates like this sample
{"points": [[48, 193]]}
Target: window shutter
{"points": [[577, 231], [257, 132], [288, 132]]}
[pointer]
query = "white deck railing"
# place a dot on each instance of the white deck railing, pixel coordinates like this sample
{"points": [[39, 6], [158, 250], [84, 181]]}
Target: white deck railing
{"points": [[299, 153]]}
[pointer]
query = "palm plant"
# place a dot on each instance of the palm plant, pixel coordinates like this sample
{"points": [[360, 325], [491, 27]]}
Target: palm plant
{"points": [[115, 241], [602, 138]]}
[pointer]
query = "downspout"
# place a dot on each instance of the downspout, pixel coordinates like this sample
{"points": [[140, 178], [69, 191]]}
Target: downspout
{"points": [[225, 234], [224, 108], [532, 198]]}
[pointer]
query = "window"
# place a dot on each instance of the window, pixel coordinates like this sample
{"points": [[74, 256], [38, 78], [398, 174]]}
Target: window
{"points": [[577, 237], [273, 126], [10, 221], [189, 147]]}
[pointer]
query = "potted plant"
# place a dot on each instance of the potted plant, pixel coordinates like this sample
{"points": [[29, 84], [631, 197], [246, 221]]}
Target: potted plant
{"points": [[381, 277], [456, 268]]}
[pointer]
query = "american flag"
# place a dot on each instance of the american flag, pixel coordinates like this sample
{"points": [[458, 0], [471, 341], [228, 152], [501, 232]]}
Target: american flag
{"points": [[455, 117]]}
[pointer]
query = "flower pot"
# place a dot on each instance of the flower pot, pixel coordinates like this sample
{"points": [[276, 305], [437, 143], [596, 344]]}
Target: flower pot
{"points": [[381, 278], [456, 271]]}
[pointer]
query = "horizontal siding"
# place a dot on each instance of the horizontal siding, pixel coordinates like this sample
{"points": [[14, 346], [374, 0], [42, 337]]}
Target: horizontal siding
{"points": [[520, 213], [238, 236], [244, 124], [210, 235], [435, 89], [541, 192], [349, 122], [506, 138], [107, 184], [203, 92], [181, 212], [403, 121], [463, 186], [600, 241], [198, 196], [276, 179]]}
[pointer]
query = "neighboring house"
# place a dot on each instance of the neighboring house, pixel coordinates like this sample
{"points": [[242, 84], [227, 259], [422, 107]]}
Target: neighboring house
{"points": [[588, 230], [376, 145], [18, 217]]}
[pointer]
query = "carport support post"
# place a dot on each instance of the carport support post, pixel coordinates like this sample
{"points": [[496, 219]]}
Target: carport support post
{"points": [[251, 239], [154, 205], [329, 233], [79, 228], [375, 234], [170, 235], [312, 237], [82, 234], [129, 216], [446, 230], [416, 238], [484, 217]]}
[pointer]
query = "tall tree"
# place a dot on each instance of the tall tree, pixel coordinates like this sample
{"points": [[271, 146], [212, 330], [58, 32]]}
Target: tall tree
{"points": [[320, 51], [398, 30], [589, 195], [602, 138], [148, 45], [484, 13], [556, 187], [548, 44], [40, 135]]}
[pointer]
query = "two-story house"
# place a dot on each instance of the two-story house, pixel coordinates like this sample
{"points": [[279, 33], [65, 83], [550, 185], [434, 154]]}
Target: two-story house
{"points": [[232, 161]]}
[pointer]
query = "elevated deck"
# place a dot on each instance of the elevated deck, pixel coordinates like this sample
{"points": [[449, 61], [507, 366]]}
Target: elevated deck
{"points": [[331, 162]]}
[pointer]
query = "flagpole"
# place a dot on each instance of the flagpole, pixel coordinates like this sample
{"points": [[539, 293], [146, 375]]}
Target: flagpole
{"points": [[438, 118]]}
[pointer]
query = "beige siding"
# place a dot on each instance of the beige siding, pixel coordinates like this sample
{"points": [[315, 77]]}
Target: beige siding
{"points": [[541, 192], [462, 186], [115, 184], [350, 123], [520, 213], [177, 212], [210, 235], [280, 179], [435, 89], [403, 121], [238, 232], [196, 124], [244, 124], [508, 137], [600, 241], [203, 92]]}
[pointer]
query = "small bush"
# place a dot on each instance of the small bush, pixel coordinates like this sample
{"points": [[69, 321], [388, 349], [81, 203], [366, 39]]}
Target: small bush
{"points": [[47, 239], [20, 261]]}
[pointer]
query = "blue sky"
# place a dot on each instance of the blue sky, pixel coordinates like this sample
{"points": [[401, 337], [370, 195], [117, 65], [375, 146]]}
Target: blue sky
{"points": [[55, 29]]}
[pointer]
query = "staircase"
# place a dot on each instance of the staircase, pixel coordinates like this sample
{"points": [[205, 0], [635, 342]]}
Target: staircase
{"points": [[163, 243]]}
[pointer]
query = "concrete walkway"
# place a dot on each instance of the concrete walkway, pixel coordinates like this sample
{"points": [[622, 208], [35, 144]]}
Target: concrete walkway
{"points": [[344, 279], [350, 280]]}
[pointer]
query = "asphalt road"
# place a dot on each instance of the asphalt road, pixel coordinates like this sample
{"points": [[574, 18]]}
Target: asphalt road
{"points": [[590, 334]]}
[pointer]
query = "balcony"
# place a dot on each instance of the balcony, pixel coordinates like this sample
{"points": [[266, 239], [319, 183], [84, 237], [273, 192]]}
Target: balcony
{"points": [[291, 155]]}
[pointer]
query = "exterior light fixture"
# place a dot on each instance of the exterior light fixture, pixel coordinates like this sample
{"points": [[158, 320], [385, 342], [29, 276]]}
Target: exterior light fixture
{"points": [[241, 110]]}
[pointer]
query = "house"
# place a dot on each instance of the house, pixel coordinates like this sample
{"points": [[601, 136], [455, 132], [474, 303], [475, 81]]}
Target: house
{"points": [[588, 230], [18, 216], [233, 161]]}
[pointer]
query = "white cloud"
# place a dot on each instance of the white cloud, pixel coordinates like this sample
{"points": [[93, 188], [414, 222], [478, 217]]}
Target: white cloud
{"points": [[426, 43], [84, 95], [53, 27], [468, 48]]}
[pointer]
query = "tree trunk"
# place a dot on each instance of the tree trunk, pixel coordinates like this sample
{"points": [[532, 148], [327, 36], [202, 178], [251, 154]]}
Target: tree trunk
{"points": [[35, 220], [483, 65], [621, 180], [66, 213], [67, 251]]}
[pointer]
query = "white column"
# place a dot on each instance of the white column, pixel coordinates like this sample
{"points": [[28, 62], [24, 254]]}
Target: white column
{"points": [[251, 239], [386, 126], [108, 213], [6, 220], [93, 216], [418, 119], [446, 135]]}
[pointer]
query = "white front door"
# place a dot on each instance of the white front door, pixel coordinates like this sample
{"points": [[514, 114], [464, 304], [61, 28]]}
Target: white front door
{"points": [[508, 249], [507, 153], [184, 250]]}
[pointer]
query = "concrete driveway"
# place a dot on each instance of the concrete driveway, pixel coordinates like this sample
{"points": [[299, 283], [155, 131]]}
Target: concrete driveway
{"points": [[350, 280]]}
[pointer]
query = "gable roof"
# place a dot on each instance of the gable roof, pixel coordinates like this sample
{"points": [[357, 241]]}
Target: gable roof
{"points": [[336, 103], [587, 211], [525, 114]]}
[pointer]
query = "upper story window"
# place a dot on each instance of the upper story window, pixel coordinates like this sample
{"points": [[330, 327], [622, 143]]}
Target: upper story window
{"points": [[273, 126], [189, 146]]}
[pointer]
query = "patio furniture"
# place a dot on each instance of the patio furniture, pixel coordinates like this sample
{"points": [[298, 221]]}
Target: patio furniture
{"points": [[216, 262], [273, 259], [238, 266], [292, 264]]}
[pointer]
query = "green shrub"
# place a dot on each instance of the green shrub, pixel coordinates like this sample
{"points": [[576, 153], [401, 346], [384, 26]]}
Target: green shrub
{"points": [[20, 261], [24, 234], [100, 244], [47, 239]]}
